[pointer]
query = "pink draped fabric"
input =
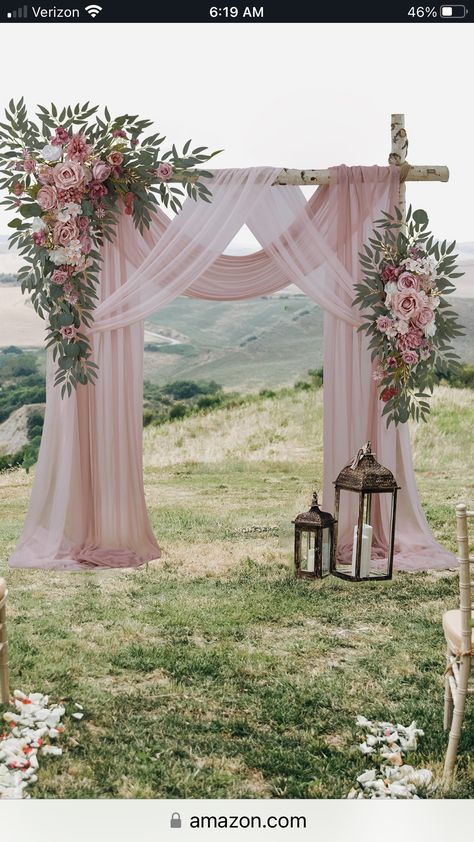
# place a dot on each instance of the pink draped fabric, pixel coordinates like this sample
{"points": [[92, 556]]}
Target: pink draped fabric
{"points": [[88, 507]]}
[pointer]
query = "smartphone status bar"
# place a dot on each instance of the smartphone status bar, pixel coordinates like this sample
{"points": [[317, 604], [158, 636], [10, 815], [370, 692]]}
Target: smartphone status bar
{"points": [[268, 11]]}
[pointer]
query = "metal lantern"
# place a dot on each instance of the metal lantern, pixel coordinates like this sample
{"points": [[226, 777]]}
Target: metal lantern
{"points": [[314, 542], [366, 477]]}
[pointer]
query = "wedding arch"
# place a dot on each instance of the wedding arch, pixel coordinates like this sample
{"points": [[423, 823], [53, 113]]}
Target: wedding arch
{"points": [[87, 508]]}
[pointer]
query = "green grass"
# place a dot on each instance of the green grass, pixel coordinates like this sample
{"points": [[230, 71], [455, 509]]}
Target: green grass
{"points": [[215, 673]]}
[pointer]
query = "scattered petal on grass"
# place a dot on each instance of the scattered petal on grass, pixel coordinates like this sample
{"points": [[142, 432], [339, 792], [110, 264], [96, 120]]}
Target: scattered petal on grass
{"points": [[388, 744], [31, 725]]}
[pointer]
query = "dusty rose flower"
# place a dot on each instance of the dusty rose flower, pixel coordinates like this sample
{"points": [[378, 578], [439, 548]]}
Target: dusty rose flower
{"points": [[39, 238], [45, 174], [86, 244], [119, 133], [72, 297], [134, 141], [392, 362], [383, 323], [101, 171], [388, 393], [425, 353], [47, 197], [69, 332], [82, 222], [59, 277], [115, 158], [390, 273], [61, 136], [68, 175], [73, 195], [17, 188], [29, 165], [405, 304], [97, 190], [64, 232], [408, 281], [116, 171], [423, 317], [410, 357], [78, 149], [164, 171]]}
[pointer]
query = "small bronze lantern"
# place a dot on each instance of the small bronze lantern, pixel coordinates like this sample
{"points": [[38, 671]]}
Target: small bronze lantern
{"points": [[314, 542], [366, 477]]}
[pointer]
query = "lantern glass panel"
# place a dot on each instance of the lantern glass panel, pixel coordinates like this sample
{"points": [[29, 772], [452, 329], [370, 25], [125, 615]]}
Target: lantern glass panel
{"points": [[326, 552], [307, 551]]}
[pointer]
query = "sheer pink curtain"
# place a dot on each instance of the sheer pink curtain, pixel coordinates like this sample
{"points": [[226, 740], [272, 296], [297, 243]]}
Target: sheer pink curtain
{"points": [[88, 506]]}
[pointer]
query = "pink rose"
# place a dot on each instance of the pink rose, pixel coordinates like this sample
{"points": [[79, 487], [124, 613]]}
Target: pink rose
{"points": [[69, 332], [97, 190], [405, 304], [68, 175], [383, 323], [115, 158], [64, 232], [408, 281], [164, 171], [390, 273], [29, 165], [423, 317], [410, 357], [78, 149], [101, 171], [59, 277], [47, 197], [86, 244]]}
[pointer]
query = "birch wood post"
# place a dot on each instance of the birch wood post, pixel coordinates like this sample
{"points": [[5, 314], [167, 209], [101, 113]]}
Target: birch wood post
{"points": [[417, 172], [398, 155], [4, 679]]}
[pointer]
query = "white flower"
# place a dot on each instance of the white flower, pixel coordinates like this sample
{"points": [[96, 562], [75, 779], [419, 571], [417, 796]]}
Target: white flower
{"points": [[401, 326], [434, 303], [390, 288], [58, 256], [37, 224], [51, 153], [68, 211], [430, 329]]}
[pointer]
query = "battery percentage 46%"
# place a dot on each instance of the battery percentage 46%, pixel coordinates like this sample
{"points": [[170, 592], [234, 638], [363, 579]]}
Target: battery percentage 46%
{"points": [[423, 12]]}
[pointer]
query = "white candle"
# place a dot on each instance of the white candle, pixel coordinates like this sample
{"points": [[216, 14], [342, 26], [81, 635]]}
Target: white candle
{"points": [[365, 551], [311, 560]]}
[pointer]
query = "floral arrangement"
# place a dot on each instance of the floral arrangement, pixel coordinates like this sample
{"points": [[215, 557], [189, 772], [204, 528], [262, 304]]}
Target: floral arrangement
{"points": [[33, 729], [387, 745], [411, 325], [68, 177]]}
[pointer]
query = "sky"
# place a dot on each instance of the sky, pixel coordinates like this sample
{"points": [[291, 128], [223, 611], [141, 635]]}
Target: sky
{"points": [[305, 96]]}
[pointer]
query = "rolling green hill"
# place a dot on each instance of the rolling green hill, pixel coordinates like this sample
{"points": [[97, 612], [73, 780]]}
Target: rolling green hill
{"points": [[249, 345]]}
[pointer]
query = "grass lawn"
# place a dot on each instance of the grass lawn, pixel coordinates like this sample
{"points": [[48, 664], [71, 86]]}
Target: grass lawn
{"points": [[214, 673]]}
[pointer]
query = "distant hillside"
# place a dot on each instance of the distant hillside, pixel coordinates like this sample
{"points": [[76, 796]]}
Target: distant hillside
{"points": [[253, 344]]}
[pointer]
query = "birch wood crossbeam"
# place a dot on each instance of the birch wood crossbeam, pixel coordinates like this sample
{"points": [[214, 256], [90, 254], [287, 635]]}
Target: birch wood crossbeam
{"points": [[316, 177]]}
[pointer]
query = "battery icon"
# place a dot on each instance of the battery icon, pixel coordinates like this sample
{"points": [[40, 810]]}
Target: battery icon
{"points": [[453, 12]]}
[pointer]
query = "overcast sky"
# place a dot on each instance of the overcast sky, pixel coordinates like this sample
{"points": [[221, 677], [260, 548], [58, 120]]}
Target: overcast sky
{"points": [[304, 96]]}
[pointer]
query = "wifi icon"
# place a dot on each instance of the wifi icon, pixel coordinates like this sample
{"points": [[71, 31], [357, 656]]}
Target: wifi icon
{"points": [[93, 10]]}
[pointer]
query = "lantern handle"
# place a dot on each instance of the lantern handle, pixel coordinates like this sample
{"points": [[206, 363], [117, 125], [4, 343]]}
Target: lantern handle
{"points": [[366, 450]]}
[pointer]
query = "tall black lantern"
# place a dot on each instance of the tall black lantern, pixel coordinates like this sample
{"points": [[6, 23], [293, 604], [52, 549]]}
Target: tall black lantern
{"points": [[366, 477], [314, 542]]}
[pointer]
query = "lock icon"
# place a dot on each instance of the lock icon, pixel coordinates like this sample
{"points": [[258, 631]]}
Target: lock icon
{"points": [[175, 820]]}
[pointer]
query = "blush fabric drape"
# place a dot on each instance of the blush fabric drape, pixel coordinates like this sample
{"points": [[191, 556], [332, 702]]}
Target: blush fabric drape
{"points": [[87, 508]]}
